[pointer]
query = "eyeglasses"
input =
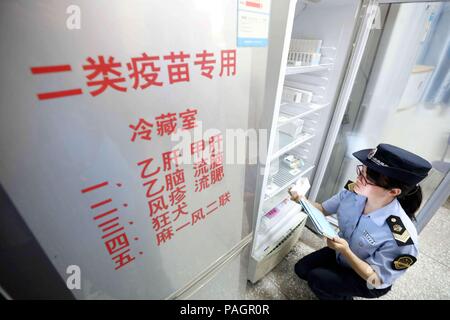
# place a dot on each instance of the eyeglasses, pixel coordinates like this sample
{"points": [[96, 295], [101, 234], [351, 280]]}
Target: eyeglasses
{"points": [[361, 172]]}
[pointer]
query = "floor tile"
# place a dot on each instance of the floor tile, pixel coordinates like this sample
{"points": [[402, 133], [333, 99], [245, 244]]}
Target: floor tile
{"points": [[265, 289], [434, 240]]}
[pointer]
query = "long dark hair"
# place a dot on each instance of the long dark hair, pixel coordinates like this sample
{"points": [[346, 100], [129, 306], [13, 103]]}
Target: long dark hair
{"points": [[410, 198]]}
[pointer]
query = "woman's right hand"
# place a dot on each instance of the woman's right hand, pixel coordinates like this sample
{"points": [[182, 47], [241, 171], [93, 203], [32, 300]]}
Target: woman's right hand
{"points": [[295, 196]]}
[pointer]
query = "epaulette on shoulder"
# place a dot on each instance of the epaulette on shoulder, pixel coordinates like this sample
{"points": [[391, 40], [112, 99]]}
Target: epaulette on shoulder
{"points": [[401, 235], [350, 185]]}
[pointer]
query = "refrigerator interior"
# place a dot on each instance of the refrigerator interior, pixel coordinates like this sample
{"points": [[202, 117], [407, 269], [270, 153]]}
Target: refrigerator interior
{"points": [[309, 92]]}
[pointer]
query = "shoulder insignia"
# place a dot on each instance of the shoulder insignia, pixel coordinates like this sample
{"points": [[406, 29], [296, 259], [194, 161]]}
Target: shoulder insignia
{"points": [[350, 185], [403, 262], [401, 235]]}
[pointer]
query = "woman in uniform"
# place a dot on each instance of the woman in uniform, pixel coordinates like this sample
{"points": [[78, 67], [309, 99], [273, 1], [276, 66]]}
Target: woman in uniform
{"points": [[377, 240]]}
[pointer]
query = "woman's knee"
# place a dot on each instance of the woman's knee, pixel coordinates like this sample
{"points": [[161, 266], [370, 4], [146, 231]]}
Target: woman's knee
{"points": [[319, 258], [318, 282], [315, 276], [324, 279], [301, 269]]}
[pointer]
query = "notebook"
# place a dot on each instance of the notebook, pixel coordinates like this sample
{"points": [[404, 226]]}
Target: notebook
{"points": [[319, 221]]}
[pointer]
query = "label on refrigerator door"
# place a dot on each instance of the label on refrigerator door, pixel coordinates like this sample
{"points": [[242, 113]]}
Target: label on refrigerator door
{"points": [[253, 23], [113, 139]]}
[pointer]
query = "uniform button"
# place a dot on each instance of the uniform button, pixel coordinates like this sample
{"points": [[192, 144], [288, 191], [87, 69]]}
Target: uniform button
{"points": [[360, 244]]}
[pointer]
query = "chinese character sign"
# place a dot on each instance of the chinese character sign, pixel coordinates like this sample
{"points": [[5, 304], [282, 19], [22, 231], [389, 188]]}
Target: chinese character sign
{"points": [[106, 73], [95, 128]]}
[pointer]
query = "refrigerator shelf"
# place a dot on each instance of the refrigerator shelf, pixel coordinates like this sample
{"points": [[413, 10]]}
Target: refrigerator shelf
{"points": [[292, 111], [286, 143], [284, 179], [306, 69], [302, 84]]}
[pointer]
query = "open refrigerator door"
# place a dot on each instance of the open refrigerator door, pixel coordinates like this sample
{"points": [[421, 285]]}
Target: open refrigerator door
{"points": [[313, 62]]}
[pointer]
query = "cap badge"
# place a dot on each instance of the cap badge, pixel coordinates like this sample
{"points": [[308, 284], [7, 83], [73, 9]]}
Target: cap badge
{"points": [[371, 157], [371, 153]]}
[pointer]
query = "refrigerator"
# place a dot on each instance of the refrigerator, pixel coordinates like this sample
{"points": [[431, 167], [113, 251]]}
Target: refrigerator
{"points": [[311, 69]]}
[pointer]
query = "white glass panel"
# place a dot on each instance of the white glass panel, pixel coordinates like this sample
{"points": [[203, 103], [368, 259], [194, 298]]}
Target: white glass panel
{"points": [[70, 160]]}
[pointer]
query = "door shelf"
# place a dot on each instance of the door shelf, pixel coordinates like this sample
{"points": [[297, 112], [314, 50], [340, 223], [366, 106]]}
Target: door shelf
{"points": [[305, 69], [292, 111], [287, 143], [284, 179], [286, 220]]}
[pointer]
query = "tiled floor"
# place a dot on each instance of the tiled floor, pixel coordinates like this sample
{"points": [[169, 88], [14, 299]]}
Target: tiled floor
{"points": [[429, 278]]}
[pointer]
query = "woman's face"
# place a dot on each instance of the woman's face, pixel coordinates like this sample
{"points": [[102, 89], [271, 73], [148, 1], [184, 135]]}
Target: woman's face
{"points": [[366, 187]]}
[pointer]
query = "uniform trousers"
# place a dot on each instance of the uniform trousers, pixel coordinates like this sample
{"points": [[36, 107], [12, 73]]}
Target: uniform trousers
{"points": [[331, 281]]}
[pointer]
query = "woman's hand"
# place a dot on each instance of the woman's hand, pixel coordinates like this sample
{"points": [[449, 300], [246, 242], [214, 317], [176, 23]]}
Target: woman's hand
{"points": [[295, 196], [338, 244]]}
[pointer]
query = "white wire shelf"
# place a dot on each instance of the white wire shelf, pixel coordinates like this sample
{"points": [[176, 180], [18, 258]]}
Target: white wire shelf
{"points": [[304, 85], [284, 178], [306, 69], [291, 111], [287, 143]]}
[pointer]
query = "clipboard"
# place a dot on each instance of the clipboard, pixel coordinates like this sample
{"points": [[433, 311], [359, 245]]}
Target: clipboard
{"points": [[321, 224]]}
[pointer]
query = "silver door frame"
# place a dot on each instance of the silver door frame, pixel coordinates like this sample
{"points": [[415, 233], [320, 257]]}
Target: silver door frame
{"points": [[437, 199]]}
